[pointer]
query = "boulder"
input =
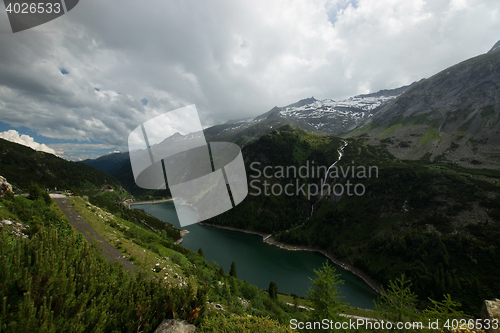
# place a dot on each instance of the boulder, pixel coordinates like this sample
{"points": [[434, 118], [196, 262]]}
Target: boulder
{"points": [[4, 186], [175, 326], [491, 311]]}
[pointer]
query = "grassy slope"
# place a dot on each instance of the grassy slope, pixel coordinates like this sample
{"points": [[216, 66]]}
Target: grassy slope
{"points": [[117, 231], [110, 294], [187, 273], [53, 280]]}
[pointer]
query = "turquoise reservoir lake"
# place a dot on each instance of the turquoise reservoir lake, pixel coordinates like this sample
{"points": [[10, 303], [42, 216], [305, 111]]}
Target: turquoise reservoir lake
{"points": [[260, 263]]}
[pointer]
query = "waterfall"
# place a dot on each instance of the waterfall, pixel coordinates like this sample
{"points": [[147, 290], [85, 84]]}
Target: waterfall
{"points": [[341, 152], [312, 211]]}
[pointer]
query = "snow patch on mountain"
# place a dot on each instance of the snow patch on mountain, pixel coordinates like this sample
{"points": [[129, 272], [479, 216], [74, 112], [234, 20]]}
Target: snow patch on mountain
{"points": [[357, 107]]}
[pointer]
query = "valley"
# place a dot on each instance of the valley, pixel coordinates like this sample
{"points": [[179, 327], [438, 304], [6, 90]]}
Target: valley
{"points": [[426, 223], [422, 206], [150, 246], [433, 144]]}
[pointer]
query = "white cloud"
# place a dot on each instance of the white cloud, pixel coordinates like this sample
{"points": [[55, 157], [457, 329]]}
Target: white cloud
{"points": [[25, 140]]}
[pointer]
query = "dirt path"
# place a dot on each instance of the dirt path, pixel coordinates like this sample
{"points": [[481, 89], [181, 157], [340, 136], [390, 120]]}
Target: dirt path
{"points": [[109, 252]]}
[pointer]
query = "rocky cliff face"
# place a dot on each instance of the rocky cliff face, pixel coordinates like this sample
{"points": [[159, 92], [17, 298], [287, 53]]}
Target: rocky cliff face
{"points": [[455, 113]]}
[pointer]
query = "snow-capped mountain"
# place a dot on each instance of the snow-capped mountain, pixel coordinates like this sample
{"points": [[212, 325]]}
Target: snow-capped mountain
{"points": [[329, 114], [325, 116]]}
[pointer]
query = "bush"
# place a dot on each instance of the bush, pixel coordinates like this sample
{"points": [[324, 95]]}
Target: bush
{"points": [[234, 324], [59, 283]]}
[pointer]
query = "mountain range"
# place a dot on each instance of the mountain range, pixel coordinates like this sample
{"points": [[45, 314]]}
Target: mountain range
{"points": [[325, 116], [315, 116], [455, 114]]}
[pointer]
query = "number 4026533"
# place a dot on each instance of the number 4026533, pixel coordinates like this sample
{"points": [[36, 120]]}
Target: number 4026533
{"points": [[478, 324], [34, 8]]}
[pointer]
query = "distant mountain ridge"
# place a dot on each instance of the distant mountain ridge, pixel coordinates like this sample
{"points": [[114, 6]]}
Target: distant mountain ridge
{"points": [[21, 165], [495, 47], [316, 116], [108, 163]]}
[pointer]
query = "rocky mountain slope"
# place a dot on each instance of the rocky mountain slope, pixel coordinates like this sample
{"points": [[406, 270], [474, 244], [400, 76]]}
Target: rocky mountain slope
{"points": [[454, 114]]}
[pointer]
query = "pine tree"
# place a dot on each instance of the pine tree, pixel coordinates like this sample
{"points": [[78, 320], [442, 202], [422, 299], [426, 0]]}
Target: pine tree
{"points": [[233, 285], [201, 253], [443, 310], [398, 302], [232, 272], [273, 290], [324, 293]]}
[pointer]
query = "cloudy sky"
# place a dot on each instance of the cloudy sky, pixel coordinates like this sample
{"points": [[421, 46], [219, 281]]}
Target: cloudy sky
{"points": [[81, 83]]}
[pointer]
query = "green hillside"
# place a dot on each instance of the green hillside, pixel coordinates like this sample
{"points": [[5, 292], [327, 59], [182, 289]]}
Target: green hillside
{"points": [[436, 222], [53, 280], [21, 166]]}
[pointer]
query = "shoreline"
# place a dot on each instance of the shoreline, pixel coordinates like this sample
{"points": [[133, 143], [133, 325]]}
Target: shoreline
{"points": [[269, 239], [262, 234], [152, 202], [182, 232], [149, 202]]}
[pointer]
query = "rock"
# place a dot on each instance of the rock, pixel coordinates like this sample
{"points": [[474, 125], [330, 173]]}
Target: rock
{"points": [[4, 186], [491, 311], [243, 302], [175, 326]]}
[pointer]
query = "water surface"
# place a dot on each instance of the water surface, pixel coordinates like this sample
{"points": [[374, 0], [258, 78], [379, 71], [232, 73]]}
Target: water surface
{"points": [[260, 263]]}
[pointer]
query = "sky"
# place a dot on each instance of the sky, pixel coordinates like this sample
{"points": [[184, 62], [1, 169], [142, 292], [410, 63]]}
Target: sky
{"points": [[83, 82]]}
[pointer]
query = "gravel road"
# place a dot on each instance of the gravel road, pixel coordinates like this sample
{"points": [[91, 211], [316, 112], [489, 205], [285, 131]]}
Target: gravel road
{"points": [[109, 252]]}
